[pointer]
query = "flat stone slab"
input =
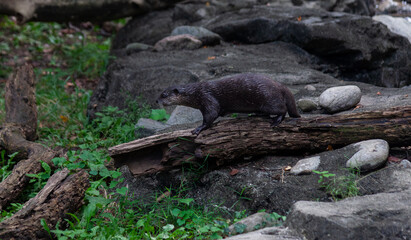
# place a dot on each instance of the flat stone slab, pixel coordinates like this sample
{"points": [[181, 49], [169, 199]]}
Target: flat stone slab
{"points": [[178, 42], [306, 165], [378, 216], [271, 233]]}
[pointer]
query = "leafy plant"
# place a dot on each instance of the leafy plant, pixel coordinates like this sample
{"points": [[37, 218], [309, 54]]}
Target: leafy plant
{"points": [[159, 115], [10, 210], [123, 218], [40, 178], [6, 164], [339, 187]]}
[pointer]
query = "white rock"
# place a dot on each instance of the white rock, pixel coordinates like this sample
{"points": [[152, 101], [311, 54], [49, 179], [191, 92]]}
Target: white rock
{"points": [[371, 154], [183, 114], [310, 88], [398, 25], [306, 165], [405, 164], [270, 233], [341, 98]]}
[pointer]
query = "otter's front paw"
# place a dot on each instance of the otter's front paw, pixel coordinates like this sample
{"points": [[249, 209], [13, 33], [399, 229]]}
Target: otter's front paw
{"points": [[196, 131]]}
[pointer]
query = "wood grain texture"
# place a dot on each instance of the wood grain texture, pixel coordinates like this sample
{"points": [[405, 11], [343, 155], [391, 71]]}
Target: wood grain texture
{"points": [[236, 138]]}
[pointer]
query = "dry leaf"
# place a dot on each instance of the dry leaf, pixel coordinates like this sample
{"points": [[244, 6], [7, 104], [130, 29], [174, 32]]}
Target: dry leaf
{"points": [[64, 118], [211, 58], [67, 31], [234, 171], [164, 195], [288, 168], [378, 93], [69, 84], [329, 148], [358, 106], [47, 49], [299, 19], [394, 159]]}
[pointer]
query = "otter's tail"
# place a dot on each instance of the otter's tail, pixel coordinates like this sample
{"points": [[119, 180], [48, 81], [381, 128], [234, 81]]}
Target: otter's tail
{"points": [[290, 102]]}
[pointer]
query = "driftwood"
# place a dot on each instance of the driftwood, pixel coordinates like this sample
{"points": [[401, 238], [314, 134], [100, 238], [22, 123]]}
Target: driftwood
{"points": [[85, 10], [236, 138], [62, 194], [19, 129]]}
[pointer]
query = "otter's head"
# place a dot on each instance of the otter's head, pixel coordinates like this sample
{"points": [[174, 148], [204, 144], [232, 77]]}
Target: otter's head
{"points": [[172, 96]]}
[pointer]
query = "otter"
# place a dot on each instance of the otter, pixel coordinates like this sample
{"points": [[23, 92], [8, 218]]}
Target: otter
{"points": [[240, 93]]}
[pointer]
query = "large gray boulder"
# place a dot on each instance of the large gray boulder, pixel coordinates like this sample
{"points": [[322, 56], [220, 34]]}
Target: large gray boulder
{"points": [[360, 48], [398, 25], [378, 216], [152, 27]]}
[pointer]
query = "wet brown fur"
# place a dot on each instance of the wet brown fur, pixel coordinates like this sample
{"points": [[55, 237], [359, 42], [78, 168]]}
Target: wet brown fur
{"points": [[241, 93]]}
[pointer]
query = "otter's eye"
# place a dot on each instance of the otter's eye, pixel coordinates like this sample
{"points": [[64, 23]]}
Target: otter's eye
{"points": [[164, 95]]}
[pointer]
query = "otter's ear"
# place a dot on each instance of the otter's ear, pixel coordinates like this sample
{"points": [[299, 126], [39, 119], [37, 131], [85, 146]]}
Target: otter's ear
{"points": [[176, 91]]}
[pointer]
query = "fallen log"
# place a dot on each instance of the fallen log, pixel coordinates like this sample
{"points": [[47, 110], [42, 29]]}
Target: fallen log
{"points": [[233, 139], [85, 10], [62, 194], [18, 131]]}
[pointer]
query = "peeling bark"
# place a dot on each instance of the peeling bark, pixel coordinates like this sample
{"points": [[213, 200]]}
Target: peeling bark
{"points": [[16, 133], [242, 137], [62, 194], [21, 108]]}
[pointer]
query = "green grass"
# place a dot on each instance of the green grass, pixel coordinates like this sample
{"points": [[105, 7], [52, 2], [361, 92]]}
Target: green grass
{"points": [[64, 59]]}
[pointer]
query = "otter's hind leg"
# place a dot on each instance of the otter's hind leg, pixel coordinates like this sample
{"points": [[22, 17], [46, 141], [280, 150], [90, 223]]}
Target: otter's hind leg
{"points": [[277, 120], [275, 108]]}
